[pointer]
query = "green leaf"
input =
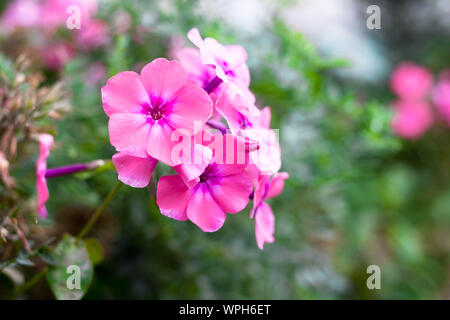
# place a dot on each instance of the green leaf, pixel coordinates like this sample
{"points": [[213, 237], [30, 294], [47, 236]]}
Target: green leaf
{"points": [[95, 250], [73, 271], [23, 260], [6, 67]]}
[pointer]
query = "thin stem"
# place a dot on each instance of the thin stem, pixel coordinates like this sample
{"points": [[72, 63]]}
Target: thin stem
{"points": [[29, 284], [99, 211]]}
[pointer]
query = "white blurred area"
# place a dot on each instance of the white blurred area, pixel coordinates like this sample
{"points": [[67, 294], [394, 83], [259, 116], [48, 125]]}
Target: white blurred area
{"points": [[336, 27]]}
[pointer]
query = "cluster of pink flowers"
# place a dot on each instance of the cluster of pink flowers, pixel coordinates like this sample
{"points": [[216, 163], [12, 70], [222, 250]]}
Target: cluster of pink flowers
{"points": [[49, 15], [413, 85], [197, 115]]}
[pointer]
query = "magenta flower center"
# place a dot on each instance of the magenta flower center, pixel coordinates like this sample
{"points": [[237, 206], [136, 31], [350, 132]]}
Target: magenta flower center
{"points": [[152, 111], [208, 173], [156, 114]]}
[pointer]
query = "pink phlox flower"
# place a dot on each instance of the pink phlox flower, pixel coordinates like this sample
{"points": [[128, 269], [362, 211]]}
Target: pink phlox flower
{"points": [[229, 62], [147, 111], [213, 147], [411, 119], [45, 143], [410, 81], [261, 211], [221, 189]]}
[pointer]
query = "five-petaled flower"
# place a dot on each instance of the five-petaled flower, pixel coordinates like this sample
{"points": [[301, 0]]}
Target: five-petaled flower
{"points": [[146, 110]]}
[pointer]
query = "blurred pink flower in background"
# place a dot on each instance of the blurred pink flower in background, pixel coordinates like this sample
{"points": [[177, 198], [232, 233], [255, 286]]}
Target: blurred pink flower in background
{"points": [[45, 142], [410, 81], [56, 15], [266, 188], [96, 73], [92, 34], [411, 119], [55, 56], [21, 13], [441, 98]]}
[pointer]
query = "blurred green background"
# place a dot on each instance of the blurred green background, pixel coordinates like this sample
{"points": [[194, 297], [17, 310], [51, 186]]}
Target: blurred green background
{"points": [[357, 195]]}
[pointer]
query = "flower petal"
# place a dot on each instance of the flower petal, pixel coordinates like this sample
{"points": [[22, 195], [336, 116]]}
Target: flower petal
{"points": [[277, 185], [190, 171], [128, 132], [163, 78], [195, 37], [258, 195], [204, 211], [124, 93], [162, 143], [264, 225], [133, 171], [236, 55], [190, 110], [268, 157], [232, 192], [172, 197], [45, 142]]}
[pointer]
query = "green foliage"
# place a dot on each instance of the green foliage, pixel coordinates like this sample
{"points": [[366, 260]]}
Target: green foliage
{"points": [[70, 252]]}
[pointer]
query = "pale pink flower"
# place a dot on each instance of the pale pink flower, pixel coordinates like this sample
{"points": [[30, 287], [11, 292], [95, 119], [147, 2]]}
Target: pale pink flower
{"points": [[411, 119], [92, 35], [261, 211], [45, 142], [222, 188], [410, 81], [57, 55], [246, 120], [441, 98], [229, 62], [20, 13], [239, 110], [145, 110], [199, 73]]}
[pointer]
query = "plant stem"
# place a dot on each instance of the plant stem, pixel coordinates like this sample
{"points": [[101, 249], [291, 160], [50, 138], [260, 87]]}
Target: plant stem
{"points": [[99, 211], [29, 284]]}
